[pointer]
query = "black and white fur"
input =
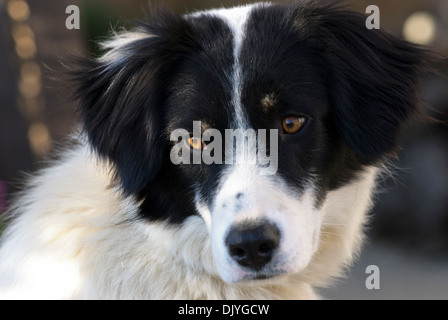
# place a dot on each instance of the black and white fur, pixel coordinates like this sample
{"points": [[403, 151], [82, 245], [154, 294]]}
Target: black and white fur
{"points": [[114, 218]]}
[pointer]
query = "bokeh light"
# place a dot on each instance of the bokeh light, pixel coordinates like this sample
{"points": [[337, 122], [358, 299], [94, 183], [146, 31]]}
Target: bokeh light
{"points": [[18, 10], [420, 28]]}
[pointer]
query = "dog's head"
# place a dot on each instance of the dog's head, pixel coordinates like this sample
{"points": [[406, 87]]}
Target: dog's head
{"points": [[331, 94]]}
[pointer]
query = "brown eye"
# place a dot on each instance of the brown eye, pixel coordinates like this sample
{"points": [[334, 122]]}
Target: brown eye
{"points": [[293, 124], [196, 143]]}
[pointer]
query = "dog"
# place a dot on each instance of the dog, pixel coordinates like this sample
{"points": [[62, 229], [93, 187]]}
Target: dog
{"points": [[115, 218]]}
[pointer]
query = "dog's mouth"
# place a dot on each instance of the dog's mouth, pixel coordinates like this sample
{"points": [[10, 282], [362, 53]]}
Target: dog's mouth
{"points": [[262, 276]]}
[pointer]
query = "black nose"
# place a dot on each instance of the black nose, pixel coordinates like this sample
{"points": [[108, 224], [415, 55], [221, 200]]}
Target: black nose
{"points": [[251, 245]]}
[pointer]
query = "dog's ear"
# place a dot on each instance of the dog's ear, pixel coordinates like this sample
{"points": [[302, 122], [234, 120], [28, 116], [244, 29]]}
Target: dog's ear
{"points": [[122, 97], [373, 79]]}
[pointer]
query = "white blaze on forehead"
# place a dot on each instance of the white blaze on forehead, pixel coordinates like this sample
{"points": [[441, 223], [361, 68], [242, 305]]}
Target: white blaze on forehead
{"points": [[236, 19]]}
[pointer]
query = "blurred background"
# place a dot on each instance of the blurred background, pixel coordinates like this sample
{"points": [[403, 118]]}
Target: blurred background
{"points": [[408, 236]]}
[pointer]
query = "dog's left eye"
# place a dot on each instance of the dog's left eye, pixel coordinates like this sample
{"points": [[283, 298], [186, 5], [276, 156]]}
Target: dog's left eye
{"points": [[293, 124], [196, 143]]}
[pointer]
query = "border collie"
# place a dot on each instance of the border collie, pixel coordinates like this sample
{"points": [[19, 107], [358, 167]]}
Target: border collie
{"points": [[115, 218]]}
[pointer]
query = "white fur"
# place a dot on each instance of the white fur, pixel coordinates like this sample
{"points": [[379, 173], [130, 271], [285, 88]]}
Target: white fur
{"points": [[74, 237], [117, 42]]}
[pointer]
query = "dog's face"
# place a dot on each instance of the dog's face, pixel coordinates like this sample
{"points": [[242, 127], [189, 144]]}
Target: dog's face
{"points": [[330, 94], [259, 223]]}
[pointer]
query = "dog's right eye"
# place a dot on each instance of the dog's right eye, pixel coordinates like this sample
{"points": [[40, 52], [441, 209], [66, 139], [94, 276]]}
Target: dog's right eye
{"points": [[196, 143]]}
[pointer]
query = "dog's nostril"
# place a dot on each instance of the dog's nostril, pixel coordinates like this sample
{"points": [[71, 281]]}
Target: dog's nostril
{"points": [[237, 253], [253, 246], [266, 249]]}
